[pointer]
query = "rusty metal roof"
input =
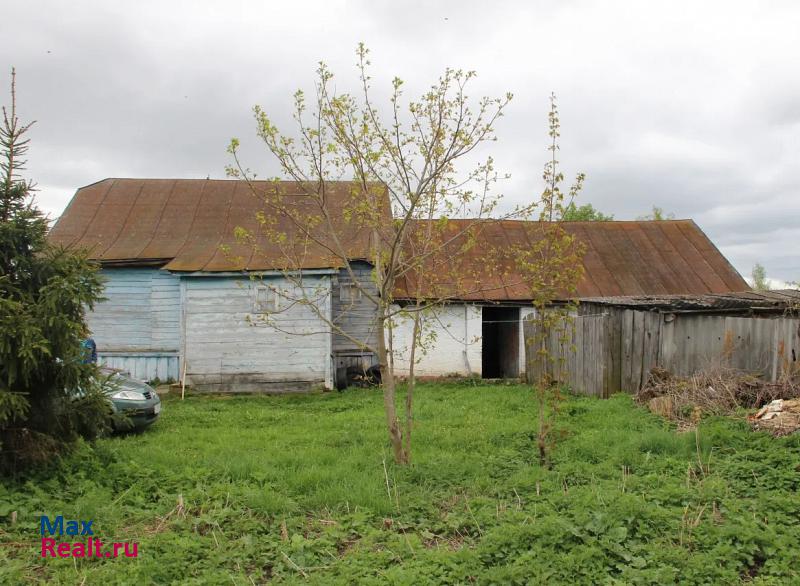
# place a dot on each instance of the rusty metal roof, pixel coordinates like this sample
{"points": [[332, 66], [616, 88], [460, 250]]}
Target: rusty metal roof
{"points": [[183, 224], [622, 258], [778, 300]]}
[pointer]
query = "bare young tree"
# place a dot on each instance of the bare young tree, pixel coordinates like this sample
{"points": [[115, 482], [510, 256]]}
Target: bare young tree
{"points": [[407, 181], [552, 269]]}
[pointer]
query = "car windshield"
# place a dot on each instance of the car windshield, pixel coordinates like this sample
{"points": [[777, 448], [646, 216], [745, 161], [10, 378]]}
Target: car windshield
{"points": [[125, 383]]}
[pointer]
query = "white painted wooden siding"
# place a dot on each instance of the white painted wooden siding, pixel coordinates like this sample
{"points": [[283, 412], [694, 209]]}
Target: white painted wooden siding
{"points": [[228, 348], [137, 328], [523, 313], [457, 348]]}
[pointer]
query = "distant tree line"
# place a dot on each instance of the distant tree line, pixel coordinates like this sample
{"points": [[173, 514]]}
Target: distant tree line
{"points": [[588, 213]]}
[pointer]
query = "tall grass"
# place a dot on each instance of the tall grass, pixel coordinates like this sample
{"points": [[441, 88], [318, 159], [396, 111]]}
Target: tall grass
{"points": [[246, 489]]}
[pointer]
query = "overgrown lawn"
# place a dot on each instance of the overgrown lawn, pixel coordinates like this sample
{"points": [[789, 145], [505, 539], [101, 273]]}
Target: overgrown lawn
{"points": [[243, 490]]}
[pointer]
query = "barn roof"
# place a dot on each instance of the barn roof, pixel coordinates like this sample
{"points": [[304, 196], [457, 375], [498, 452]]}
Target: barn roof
{"points": [[621, 258], [183, 224]]}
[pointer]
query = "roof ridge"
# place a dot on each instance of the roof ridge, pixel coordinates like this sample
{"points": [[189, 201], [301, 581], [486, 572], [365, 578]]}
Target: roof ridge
{"points": [[586, 222], [224, 179]]}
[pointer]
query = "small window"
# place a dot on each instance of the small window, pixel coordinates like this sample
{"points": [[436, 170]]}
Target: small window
{"points": [[266, 300], [349, 293]]}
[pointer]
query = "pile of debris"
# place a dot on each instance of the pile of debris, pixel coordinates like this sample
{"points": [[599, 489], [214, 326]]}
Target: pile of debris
{"points": [[780, 417], [722, 391]]}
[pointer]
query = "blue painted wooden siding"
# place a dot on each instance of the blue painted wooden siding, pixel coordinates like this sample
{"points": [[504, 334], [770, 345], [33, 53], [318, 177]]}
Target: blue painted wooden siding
{"points": [[145, 366], [229, 348], [138, 327]]}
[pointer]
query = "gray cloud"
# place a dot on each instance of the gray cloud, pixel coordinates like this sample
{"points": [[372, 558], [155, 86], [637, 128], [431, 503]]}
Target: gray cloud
{"points": [[694, 107]]}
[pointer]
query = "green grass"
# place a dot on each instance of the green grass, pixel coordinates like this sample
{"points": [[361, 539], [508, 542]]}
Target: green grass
{"points": [[294, 489]]}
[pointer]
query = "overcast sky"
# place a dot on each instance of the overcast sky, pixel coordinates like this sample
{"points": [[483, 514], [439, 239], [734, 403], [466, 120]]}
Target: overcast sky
{"points": [[691, 106]]}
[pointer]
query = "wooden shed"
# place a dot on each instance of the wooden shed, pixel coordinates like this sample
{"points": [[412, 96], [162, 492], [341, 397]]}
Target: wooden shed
{"points": [[184, 297], [617, 341], [480, 333]]}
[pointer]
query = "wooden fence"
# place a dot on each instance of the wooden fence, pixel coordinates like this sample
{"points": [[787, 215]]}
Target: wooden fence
{"points": [[615, 350], [579, 357]]}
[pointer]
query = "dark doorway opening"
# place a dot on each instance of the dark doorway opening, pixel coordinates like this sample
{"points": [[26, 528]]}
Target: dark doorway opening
{"points": [[500, 352]]}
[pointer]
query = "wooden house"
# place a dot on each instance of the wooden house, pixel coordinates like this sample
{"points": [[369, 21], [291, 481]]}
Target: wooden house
{"points": [[181, 298]]}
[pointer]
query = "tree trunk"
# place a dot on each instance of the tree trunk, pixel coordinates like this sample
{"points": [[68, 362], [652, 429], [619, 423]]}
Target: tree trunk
{"points": [[541, 382], [389, 392], [410, 386], [541, 435]]}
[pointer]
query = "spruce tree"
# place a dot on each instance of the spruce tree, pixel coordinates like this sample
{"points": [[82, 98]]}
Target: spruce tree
{"points": [[49, 396]]}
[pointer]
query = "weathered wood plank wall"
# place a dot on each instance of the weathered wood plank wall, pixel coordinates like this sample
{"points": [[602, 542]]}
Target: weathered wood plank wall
{"points": [[229, 347], [615, 350], [581, 357], [137, 328], [145, 366], [355, 314]]}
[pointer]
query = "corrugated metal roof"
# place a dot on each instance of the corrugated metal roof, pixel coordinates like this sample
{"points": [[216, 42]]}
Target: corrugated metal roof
{"points": [[621, 258], [184, 223]]}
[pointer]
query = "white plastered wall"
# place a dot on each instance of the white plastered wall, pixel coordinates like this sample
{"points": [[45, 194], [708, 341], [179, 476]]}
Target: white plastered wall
{"points": [[448, 353], [454, 348]]}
